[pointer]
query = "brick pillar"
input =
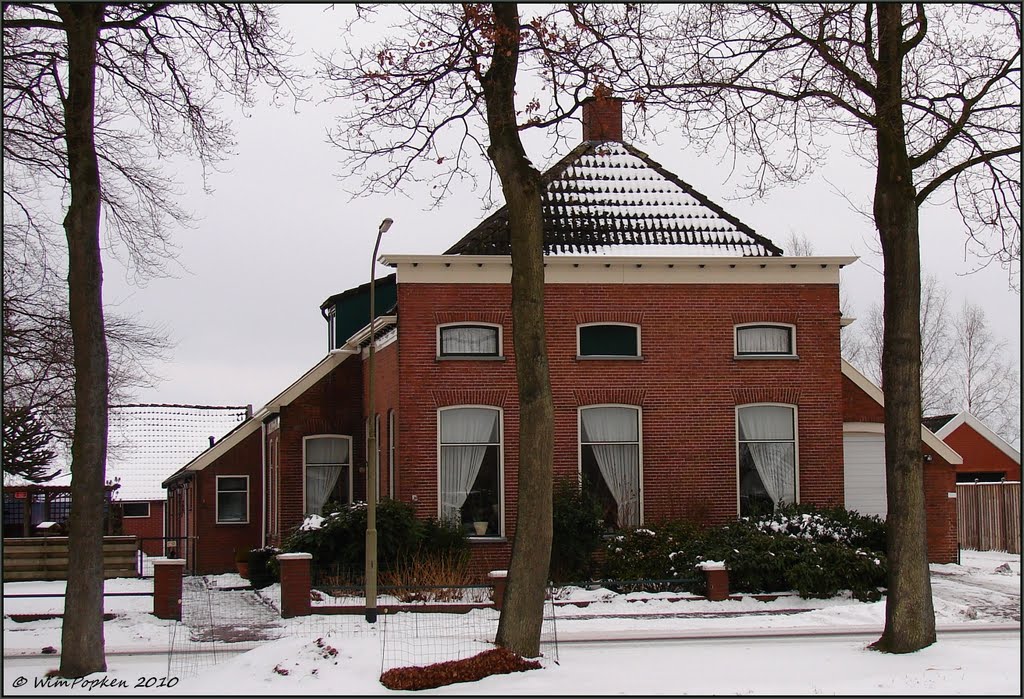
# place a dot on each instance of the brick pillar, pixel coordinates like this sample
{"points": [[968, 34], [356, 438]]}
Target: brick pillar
{"points": [[295, 583], [497, 578], [167, 588], [716, 575]]}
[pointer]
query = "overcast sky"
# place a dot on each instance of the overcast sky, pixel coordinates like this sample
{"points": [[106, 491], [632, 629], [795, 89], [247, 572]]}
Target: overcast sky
{"points": [[279, 234]]}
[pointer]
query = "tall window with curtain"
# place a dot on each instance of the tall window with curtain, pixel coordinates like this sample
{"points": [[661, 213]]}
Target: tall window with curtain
{"points": [[470, 469], [610, 462], [767, 457], [328, 465], [764, 340]]}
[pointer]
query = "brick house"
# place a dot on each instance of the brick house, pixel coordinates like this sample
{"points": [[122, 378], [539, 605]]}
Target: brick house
{"points": [[987, 457], [695, 372], [146, 443]]}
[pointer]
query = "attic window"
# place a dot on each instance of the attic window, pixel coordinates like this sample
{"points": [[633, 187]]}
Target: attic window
{"points": [[608, 340], [765, 340], [468, 340]]}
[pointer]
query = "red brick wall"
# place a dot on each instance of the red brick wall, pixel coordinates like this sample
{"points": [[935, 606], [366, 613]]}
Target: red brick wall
{"points": [[217, 543], [331, 406], [858, 406], [940, 509], [979, 454], [939, 477], [151, 527], [385, 398], [688, 386]]}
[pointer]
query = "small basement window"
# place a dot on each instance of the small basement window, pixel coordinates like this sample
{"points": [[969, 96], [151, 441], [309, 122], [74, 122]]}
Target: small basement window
{"points": [[135, 509], [608, 340], [765, 340], [466, 340]]}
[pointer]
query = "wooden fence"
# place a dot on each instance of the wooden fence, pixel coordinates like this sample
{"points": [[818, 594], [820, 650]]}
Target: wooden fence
{"points": [[988, 516], [46, 558]]}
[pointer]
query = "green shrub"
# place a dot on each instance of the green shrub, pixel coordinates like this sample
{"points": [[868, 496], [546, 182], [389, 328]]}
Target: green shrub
{"points": [[262, 572], [439, 538], [647, 554], [826, 525], [815, 552], [337, 541], [577, 532], [823, 569]]}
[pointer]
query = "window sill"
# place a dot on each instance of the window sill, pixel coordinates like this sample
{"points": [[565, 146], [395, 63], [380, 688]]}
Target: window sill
{"points": [[219, 522], [748, 357], [486, 540], [607, 357], [470, 359]]}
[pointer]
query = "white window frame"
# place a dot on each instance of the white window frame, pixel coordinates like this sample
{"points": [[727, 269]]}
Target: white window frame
{"points": [[471, 324], [351, 460], [796, 446], [749, 355], [639, 344], [640, 447], [217, 498], [501, 467], [137, 502], [391, 453]]}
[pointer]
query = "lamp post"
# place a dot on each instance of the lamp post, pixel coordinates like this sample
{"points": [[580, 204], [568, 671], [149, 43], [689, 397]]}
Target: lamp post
{"points": [[371, 457]]}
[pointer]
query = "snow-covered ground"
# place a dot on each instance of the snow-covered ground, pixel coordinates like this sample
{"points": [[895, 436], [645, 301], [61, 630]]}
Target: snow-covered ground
{"points": [[607, 647]]}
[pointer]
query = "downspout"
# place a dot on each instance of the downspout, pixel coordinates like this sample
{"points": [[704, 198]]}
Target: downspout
{"points": [[263, 484]]}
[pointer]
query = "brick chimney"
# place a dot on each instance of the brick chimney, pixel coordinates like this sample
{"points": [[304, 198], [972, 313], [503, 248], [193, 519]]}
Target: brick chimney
{"points": [[602, 119]]}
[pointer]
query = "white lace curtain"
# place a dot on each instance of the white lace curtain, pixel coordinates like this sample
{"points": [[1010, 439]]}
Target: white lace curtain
{"points": [[767, 431], [763, 340], [619, 463], [469, 340], [326, 458], [466, 434]]}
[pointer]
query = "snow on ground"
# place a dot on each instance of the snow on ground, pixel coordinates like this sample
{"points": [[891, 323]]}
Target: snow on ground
{"points": [[982, 592]]}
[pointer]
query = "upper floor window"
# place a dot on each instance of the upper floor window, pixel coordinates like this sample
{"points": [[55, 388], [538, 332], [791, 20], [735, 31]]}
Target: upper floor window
{"points": [[766, 440], [468, 340], [328, 466], [610, 461], [608, 340], [470, 469], [232, 499], [763, 339]]}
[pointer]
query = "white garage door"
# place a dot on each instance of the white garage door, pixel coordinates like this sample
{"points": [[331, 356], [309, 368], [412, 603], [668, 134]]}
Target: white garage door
{"points": [[864, 473]]}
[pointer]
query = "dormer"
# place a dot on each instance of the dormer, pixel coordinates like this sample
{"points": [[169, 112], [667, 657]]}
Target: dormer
{"points": [[349, 311]]}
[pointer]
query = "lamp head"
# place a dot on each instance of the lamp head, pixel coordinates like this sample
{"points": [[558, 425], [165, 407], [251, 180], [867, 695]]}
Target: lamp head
{"points": [[384, 226]]}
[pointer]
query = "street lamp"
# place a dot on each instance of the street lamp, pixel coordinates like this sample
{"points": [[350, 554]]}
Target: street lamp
{"points": [[371, 458]]}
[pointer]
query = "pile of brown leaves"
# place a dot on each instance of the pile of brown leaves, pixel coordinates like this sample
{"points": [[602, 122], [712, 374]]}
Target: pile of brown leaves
{"points": [[497, 661]]}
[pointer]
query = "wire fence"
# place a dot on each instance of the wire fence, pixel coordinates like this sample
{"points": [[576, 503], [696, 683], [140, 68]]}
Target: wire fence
{"points": [[219, 623]]}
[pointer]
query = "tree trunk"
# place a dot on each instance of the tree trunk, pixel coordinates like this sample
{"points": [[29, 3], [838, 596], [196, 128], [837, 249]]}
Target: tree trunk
{"points": [[909, 615], [82, 646], [522, 611]]}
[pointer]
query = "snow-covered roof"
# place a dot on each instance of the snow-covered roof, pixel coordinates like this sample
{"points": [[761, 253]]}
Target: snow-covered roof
{"points": [[608, 197], [147, 443]]}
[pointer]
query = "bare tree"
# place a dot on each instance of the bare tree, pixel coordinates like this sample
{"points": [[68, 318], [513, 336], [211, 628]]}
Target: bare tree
{"points": [[937, 346], [986, 382], [94, 95], [431, 100], [929, 97], [38, 366]]}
